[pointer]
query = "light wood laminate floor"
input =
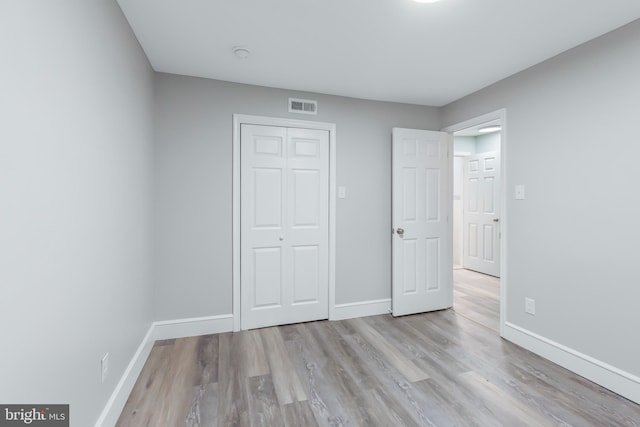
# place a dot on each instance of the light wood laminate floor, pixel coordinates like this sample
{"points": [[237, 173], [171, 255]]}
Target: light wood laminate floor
{"points": [[436, 369], [476, 296]]}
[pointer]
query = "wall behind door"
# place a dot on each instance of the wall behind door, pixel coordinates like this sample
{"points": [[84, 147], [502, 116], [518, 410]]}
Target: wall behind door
{"points": [[193, 189], [462, 146]]}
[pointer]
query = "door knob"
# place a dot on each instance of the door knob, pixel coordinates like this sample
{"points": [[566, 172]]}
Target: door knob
{"points": [[496, 219], [400, 232]]}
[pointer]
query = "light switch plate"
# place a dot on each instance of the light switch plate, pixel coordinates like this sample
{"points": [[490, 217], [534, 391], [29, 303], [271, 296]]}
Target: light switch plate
{"points": [[519, 192], [342, 192]]}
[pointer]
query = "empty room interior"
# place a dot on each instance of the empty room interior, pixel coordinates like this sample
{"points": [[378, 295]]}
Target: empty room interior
{"points": [[305, 213]]}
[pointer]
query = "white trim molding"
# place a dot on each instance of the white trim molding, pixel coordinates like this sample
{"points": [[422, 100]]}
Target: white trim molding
{"points": [[166, 329], [118, 399], [361, 309], [192, 327], [238, 120], [610, 377]]}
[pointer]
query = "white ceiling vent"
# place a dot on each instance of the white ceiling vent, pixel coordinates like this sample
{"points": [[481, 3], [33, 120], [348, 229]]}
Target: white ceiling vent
{"points": [[303, 106]]}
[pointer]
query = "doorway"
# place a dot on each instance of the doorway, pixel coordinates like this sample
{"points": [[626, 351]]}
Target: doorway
{"points": [[477, 198], [479, 219]]}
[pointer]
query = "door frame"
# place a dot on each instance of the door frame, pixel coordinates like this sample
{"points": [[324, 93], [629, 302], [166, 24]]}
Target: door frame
{"points": [[504, 217], [238, 121]]}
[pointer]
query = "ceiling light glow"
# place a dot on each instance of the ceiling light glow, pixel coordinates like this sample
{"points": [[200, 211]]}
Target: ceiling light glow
{"points": [[489, 129], [426, 1]]}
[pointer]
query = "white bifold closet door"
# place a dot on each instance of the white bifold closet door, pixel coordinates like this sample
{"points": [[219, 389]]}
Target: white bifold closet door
{"points": [[284, 225]]}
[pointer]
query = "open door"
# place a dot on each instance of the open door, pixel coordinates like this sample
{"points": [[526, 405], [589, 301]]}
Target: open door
{"points": [[482, 213], [421, 214]]}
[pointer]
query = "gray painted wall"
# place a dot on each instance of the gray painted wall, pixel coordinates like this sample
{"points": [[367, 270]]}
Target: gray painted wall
{"points": [[488, 142], [464, 145], [76, 111], [192, 173], [572, 140]]}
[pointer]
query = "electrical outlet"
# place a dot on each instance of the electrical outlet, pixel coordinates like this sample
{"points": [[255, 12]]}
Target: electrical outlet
{"points": [[104, 367], [530, 306]]}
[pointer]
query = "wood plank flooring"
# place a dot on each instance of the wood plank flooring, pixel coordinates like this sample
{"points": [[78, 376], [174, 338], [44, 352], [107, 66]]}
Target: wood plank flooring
{"points": [[477, 297], [435, 369]]}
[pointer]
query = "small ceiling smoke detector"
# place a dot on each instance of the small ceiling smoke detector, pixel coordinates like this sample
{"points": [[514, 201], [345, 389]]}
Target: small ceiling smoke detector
{"points": [[241, 52]]}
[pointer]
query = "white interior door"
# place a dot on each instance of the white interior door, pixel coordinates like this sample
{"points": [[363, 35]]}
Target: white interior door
{"points": [[284, 225], [422, 238], [482, 213]]}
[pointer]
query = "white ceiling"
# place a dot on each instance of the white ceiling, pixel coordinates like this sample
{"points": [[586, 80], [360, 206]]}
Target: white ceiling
{"points": [[391, 50]]}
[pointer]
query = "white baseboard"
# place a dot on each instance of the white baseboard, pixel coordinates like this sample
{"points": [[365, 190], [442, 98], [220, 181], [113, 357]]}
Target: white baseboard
{"points": [[192, 327], [162, 330], [360, 309], [610, 377], [118, 399]]}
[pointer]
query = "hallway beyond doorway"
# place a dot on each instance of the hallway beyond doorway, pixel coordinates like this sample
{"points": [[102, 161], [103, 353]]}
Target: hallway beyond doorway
{"points": [[476, 296]]}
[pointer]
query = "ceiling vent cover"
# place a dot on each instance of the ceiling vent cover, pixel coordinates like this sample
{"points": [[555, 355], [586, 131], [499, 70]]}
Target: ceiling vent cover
{"points": [[303, 106]]}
